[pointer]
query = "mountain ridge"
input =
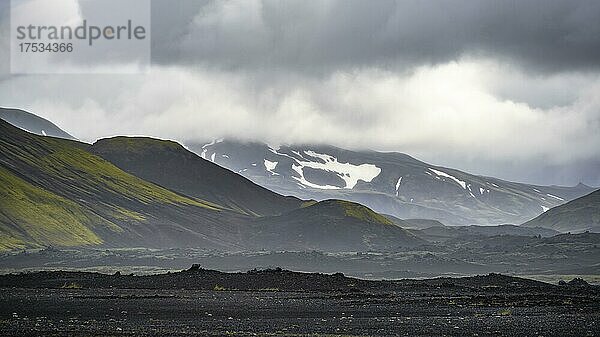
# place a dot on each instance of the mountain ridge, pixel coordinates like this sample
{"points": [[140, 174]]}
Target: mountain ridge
{"points": [[33, 123], [579, 215], [389, 183], [170, 165]]}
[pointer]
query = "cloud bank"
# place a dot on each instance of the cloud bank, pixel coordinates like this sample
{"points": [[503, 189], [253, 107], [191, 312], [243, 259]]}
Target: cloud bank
{"points": [[509, 89]]}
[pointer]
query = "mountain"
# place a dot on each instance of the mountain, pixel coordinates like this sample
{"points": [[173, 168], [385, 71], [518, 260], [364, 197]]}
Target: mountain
{"points": [[389, 183], [57, 192], [32, 123], [281, 223], [170, 165], [331, 225], [579, 215], [54, 192]]}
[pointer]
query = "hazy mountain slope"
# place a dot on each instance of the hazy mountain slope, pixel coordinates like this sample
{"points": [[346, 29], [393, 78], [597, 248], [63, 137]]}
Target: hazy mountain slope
{"points": [[32, 123], [389, 183], [579, 215], [57, 193], [468, 233], [169, 165], [330, 225]]}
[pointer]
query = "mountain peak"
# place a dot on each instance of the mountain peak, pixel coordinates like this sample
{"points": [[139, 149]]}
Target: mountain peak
{"points": [[169, 164], [136, 145], [582, 185], [350, 210]]}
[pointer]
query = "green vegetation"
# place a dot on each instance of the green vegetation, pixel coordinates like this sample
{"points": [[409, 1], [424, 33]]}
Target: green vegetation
{"points": [[126, 214], [72, 285], [505, 312], [40, 217], [55, 193], [362, 213], [75, 163], [307, 203], [70, 164], [138, 144]]}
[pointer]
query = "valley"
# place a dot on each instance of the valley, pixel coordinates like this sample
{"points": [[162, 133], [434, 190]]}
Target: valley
{"points": [[97, 239], [555, 258], [299, 168]]}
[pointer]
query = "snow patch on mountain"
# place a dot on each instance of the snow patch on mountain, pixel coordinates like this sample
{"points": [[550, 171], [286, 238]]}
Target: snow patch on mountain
{"points": [[270, 166], [470, 191], [297, 153], [350, 173], [446, 175], [274, 151], [207, 145], [306, 183], [555, 197], [398, 185]]}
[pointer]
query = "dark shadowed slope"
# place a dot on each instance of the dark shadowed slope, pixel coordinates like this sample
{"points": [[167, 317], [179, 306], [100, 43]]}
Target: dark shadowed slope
{"points": [[579, 215], [170, 165], [54, 192], [331, 225], [32, 123]]}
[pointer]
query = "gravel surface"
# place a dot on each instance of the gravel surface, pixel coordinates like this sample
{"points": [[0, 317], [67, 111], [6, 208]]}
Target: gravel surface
{"points": [[491, 305], [106, 312]]}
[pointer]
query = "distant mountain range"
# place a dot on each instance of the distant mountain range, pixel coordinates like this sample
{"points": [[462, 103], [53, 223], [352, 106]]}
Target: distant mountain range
{"points": [[32, 123], [389, 183], [465, 233]]}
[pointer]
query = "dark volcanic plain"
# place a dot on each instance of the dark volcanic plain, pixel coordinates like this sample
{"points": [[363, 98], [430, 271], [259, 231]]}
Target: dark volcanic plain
{"points": [[199, 302]]}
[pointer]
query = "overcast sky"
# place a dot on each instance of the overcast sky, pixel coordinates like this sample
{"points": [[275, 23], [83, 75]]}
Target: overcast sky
{"points": [[503, 88]]}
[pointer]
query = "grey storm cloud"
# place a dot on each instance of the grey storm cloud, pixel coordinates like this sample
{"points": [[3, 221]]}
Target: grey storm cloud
{"points": [[543, 35], [501, 88]]}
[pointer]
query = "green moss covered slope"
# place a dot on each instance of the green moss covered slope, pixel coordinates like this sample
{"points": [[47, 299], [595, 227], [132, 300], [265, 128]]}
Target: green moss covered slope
{"points": [[54, 192]]}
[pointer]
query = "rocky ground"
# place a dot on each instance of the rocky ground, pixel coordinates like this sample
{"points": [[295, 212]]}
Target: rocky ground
{"points": [[200, 302]]}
